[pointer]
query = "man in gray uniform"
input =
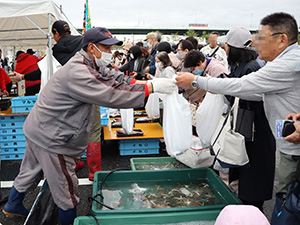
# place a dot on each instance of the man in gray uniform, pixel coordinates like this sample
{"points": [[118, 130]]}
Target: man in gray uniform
{"points": [[58, 126]]}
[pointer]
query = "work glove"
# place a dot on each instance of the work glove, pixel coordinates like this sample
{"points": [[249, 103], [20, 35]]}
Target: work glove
{"points": [[163, 85]]}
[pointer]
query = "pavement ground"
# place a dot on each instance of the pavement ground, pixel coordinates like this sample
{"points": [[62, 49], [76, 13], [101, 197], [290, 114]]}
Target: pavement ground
{"points": [[111, 159]]}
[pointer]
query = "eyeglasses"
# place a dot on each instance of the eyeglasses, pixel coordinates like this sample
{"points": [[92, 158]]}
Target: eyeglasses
{"points": [[277, 33], [258, 37]]}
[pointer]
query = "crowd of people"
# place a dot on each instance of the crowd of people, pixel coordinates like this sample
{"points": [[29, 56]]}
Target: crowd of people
{"points": [[263, 72]]}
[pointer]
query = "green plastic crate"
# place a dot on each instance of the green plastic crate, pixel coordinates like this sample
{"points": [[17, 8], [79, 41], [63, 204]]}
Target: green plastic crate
{"points": [[149, 219], [156, 162], [184, 176]]}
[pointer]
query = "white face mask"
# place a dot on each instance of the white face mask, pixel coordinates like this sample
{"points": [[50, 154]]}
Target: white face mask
{"points": [[105, 58], [131, 56], [158, 65], [180, 55]]}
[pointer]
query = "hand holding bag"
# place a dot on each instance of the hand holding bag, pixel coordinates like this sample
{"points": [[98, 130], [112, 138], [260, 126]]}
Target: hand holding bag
{"points": [[228, 145]]}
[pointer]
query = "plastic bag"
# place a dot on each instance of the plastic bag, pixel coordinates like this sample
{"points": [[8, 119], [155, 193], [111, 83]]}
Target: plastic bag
{"points": [[152, 106], [127, 120], [44, 211], [196, 156], [177, 123], [207, 117]]}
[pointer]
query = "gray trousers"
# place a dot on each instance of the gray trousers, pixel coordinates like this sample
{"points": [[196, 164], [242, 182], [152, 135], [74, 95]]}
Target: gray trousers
{"points": [[59, 171], [286, 171]]}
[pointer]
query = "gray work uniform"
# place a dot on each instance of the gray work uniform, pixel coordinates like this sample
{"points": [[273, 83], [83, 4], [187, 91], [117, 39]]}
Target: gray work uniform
{"points": [[58, 126]]}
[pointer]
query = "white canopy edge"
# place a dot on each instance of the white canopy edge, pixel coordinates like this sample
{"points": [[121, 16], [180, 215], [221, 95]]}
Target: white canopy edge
{"points": [[19, 20]]}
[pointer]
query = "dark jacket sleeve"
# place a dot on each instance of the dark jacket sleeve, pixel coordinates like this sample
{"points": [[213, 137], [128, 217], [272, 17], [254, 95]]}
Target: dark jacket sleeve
{"points": [[34, 75]]}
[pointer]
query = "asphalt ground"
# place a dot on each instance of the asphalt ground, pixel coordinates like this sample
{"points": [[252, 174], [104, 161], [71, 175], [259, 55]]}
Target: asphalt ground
{"points": [[111, 159]]}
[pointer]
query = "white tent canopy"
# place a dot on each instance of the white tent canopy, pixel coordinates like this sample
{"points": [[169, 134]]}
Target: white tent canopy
{"points": [[26, 23]]}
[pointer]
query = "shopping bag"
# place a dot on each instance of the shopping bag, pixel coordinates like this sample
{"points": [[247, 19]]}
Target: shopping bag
{"points": [[152, 106], [196, 156], [287, 207], [228, 145], [127, 120], [44, 211], [207, 116], [177, 123]]}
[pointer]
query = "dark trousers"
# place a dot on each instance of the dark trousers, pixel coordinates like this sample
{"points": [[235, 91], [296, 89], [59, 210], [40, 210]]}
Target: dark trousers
{"points": [[32, 90]]}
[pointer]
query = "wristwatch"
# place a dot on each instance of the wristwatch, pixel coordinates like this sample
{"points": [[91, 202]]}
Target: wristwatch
{"points": [[195, 82]]}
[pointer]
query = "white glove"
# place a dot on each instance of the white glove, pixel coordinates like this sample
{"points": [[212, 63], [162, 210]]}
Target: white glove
{"points": [[17, 77], [163, 85]]}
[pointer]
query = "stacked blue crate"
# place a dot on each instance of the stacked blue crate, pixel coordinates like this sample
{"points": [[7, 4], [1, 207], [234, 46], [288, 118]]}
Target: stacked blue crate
{"points": [[23, 104], [104, 114], [139, 146], [12, 139]]}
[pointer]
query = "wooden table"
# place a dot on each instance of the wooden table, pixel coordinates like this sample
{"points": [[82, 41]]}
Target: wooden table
{"points": [[8, 112], [152, 130]]}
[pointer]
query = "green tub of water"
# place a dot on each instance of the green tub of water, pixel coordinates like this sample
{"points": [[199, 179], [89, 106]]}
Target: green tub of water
{"points": [[160, 191], [182, 218], [156, 163]]}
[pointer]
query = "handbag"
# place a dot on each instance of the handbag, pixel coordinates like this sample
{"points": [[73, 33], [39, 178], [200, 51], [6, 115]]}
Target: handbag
{"points": [[245, 122], [229, 146], [287, 208]]}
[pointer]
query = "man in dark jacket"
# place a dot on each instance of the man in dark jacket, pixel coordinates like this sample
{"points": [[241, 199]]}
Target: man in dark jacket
{"points": [[152, 41], [67, 45]]}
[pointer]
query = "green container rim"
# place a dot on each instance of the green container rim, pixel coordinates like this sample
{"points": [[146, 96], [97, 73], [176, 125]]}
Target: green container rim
{"points": [[216, 183], [153, 218], [137, 161]]}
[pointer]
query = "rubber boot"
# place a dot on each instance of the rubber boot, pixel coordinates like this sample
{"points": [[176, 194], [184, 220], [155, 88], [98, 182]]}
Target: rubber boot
{"points": [[14, 206], [67, 217], [93, 158], [79, 165]]}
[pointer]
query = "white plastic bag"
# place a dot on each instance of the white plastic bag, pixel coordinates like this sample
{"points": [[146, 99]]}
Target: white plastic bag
{"points": [[177, 123], [44, 67], [127, 120], [196, 156], [207, 117], [152, 106]]}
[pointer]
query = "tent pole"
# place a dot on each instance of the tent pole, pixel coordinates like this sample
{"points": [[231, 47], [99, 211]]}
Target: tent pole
{"points": [[50, 65]]}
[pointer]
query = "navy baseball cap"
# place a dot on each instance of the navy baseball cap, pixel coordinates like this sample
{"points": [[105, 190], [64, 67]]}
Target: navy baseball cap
{"points": [[99, 35], [59, 26]]}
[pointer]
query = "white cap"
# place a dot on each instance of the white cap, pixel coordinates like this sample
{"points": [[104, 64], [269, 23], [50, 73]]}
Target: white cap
{"points": [[238, 37]]}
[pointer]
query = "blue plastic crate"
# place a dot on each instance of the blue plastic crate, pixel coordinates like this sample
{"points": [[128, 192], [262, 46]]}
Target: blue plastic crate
{"points": [[145, 151], [12, 156], [24, 101], [104, 110], [11, 131], [139, 143], [13, 144], [11, 124], [104, 114], [84, 154], [17, 137], [21, 109], [13, 118], [9, 151]]}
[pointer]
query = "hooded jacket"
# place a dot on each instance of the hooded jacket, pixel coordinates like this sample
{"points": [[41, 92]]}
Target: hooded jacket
{"points": [[26, 64], [66, 48], [4, 79], [61, 119]]}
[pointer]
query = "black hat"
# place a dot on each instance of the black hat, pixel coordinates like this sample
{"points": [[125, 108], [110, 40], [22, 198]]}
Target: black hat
{"points": [[99, 35], [19, 53], [59, 26], [30, 51]]}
